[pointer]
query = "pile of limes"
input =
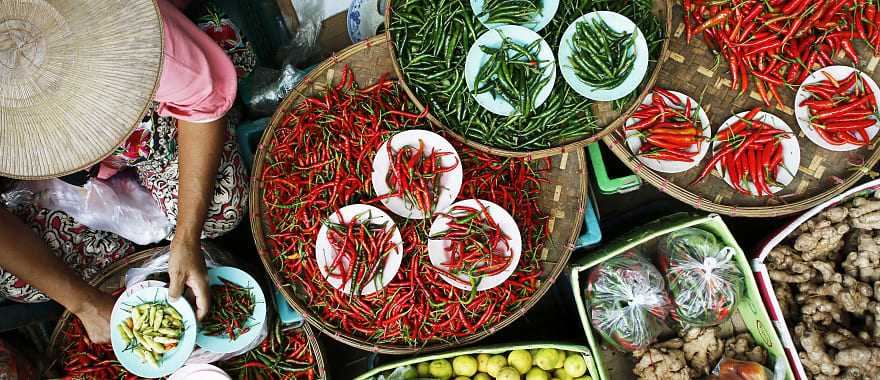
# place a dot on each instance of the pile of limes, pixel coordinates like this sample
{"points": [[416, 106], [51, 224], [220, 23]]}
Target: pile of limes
{"points": [[537, 364]]}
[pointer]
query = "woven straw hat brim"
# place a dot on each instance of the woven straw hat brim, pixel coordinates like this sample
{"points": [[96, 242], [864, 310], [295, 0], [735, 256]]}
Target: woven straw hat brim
{"points": [[76, 77]]}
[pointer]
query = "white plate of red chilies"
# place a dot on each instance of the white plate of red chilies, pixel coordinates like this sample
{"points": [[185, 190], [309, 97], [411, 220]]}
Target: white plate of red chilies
{"points": [[836, 107], [759, 157], [669, 133], [359, 249], [425, 175], [474, 243]]}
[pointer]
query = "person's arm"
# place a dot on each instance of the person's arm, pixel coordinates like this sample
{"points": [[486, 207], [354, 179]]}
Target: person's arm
{"points": [[199, 145], [24, 255]]}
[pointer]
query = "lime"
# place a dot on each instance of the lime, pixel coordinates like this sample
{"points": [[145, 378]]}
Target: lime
{"points": [[410, 373], [537, 374], [546, 358], [508, 373], [423, 369], [464, 365], [584, 378], [575, 366], [521, 360], [482, 376], [441, 369], [482, 361], [462, 378], [495, 364], [560, 360], [562, 375]]}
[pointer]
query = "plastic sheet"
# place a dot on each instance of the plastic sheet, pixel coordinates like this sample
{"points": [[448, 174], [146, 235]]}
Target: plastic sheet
{"points": [[627, 301], [265, 88], [119, 205], [703, 279], [156, 268]]}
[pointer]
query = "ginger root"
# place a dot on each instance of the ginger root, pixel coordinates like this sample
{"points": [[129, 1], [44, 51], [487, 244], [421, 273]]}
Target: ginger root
{"points": [[821, 240], [865, 263], [864, 214], [702, 348], [784, 264], [661, 362], [743, 347], [814, 355]]}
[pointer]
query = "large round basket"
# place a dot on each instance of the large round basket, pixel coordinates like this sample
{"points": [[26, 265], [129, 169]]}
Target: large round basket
{"points": [[822, 173], [563, 199], [607, 116], [113, 278]]}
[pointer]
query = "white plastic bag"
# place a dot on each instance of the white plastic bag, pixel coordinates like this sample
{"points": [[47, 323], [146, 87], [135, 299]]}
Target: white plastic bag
{"points": [[119, 205], [157, 267]]}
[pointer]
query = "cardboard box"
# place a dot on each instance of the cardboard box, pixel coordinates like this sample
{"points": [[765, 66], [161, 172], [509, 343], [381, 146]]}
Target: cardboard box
{"points": [[766, 287], [491, 350], [750, 309], [334, 30]]}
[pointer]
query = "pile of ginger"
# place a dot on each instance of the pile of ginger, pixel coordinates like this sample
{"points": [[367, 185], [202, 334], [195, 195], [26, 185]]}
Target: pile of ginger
{"points": [[826, 277]]}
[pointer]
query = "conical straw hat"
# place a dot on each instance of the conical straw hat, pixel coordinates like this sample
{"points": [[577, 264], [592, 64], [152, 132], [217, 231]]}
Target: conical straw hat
{"points": [[76, 76]]}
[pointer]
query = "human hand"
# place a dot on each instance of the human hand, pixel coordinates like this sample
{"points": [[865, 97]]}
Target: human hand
{"points": [[186, 267], [95, 316]]}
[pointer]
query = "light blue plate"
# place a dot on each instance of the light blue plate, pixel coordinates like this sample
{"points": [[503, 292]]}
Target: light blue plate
{"points": [[171, 361], [619, 23], [221, 343], [548, 10], [492, 38]]}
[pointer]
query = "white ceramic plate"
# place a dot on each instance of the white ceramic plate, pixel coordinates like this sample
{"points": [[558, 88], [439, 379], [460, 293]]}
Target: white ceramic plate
{"points": [[199, 372], [619, 23], [437, 248], [476, 57], [635, 143], [221, 343], [171, 361], [450, 182], [548, 10], [791, 152], [802, 114], [325, 254]]}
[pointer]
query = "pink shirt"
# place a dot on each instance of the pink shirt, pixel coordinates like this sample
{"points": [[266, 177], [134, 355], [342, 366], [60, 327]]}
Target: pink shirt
{"points": [[198, 82]]}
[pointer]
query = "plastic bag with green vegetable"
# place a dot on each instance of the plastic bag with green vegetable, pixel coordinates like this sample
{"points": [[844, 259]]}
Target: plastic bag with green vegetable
{"points": [[704, 281], [627, 301]]}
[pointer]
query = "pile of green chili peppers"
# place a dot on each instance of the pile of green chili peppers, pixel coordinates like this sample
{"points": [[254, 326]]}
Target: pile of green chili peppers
{"points": [[432, 39], [513, 72], [514, 12], [601, 56]]}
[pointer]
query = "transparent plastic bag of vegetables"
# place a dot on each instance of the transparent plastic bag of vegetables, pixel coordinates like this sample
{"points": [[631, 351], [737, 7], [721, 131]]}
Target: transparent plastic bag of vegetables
{"points": [[627, 301], [704, 282]]}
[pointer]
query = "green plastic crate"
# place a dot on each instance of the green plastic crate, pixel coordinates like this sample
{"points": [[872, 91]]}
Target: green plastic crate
{"points": [[610, 185], [491, 350], [751, 308]]}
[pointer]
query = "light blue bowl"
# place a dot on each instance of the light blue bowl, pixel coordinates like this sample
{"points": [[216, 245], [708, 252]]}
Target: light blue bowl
{"points": [[171, 361], [221, 343], [619, 23], [548, 10], [492, 38]]}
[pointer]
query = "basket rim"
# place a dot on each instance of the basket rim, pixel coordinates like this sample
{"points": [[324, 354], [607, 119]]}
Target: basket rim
{"points": [[111, 270], [702, 203], [546, 152], [256, 221]]}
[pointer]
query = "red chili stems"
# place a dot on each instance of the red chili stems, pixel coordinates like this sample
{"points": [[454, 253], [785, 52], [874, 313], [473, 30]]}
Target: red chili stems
{"points": [[670, 130], [477, 246], [415, 176], [362, 249], [232, 306], [319, 159], [841, 110], [775, 43], [750, 151]]}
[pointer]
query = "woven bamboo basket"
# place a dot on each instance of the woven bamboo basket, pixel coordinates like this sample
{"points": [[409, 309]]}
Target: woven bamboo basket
{"points": [[822, 174], [563, 199], [113, 278], [606, 117]]}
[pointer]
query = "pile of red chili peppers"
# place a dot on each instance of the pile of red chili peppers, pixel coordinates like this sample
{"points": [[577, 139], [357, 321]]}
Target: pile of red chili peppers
{"points": [[416, 177], [320, 159], [284, 354], [777, 42], [362, 249], [670, 130], [841, 111], [477, 245], [232, 306], [82, 359], [750, 151]]}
